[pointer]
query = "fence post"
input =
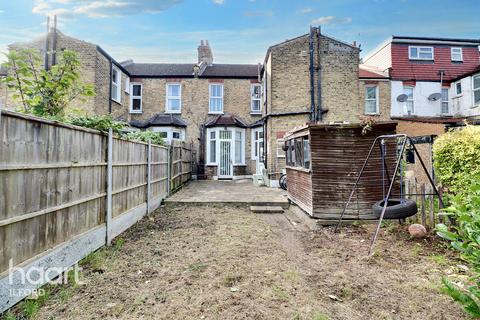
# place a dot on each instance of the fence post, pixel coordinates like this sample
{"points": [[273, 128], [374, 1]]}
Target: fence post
{"points": [[149, 175], [108, 218], [169, 167]]}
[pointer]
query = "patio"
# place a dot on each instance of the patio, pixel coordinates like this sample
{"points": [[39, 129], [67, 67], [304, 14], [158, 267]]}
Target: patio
{"points": [[236, 192]]}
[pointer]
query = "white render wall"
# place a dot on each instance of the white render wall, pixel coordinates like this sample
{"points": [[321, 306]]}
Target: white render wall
{"points": [[422, 106], [463, 104]]}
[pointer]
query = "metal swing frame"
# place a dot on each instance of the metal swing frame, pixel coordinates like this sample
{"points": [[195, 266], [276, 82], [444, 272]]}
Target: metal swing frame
{"points": [[392, 180]]}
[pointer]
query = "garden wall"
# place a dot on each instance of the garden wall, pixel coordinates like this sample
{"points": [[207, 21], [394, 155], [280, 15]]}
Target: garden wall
{"points": [[65, 191]]}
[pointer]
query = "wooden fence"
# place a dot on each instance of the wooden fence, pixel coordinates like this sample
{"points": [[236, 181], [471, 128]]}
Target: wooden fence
{"points": [[65, 191]]}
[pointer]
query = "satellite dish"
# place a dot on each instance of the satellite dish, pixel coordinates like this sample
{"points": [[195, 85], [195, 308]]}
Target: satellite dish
{"points": [[402, 98], [435, 96]]}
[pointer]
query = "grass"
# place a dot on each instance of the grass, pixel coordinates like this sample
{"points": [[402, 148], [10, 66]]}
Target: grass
{"points": [[280, 293], [439, 259]]}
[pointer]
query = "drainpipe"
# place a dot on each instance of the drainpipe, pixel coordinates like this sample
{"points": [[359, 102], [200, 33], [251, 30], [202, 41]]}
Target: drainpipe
{"points": [[319, 115], [312, 80]]}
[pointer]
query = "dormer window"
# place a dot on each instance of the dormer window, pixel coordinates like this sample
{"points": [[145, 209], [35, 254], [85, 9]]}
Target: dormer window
{"points": [[457, 54], [420, 53]]}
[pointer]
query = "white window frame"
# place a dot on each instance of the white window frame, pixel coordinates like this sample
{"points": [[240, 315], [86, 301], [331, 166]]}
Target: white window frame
{"points": [[255, 142], [117, 85], [412, 100], [420, 48], [280, 152], [179, 97], [252, 99], [132, 97], [461, 54], [217, 130], [127, 85], [210, 97], [475, 90], [377, 107], [442, 101]]}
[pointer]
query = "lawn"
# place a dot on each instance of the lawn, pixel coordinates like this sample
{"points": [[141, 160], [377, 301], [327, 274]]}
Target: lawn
{"points": [[226, 263]]}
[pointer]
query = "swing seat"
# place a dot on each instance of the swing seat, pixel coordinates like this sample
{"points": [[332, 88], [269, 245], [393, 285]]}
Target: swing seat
{"points": [[396, 209]]}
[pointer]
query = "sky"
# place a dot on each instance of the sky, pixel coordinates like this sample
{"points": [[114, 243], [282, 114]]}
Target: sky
{"points": [[239, 31]]}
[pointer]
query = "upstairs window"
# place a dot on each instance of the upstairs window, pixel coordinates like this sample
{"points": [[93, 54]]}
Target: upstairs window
{"points": [[409, 104], [174, 98], [371, 100], [256, 96], [420, 53], [445, 108], [457, 54], [476, 90], [116, 85], [216, 98], [136, 98]]}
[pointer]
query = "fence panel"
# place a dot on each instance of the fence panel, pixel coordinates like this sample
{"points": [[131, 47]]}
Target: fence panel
{"points": [[54, 207]]}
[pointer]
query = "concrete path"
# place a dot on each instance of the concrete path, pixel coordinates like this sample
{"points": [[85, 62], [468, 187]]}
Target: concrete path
{"points": [[237, 192]]}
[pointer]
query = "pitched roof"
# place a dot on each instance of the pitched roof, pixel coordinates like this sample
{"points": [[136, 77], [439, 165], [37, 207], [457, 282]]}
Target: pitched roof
{"points": [[226, 120], [160, 119], [183, 70], [367, 73]]}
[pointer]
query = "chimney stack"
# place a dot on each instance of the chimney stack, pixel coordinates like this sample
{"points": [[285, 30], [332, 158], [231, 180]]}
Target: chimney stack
{"points": [[205, 55]]}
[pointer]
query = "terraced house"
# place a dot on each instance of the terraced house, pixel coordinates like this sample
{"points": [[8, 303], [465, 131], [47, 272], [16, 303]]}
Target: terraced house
{"points": [[234, 115]]}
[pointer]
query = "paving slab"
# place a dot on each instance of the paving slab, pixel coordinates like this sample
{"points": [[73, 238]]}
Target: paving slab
{"points": [[237, 192]]}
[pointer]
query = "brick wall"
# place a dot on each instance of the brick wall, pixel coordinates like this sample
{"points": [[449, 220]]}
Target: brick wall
{"points": [[195, 106], [384, 99], [287, 69]]}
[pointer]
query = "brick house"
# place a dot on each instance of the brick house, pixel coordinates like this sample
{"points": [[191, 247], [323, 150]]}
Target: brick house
{"points": [[214, 107], [425, 74], [312, 68]]}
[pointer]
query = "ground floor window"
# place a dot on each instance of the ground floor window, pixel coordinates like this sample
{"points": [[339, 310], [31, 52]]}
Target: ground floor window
{"points": [[298, 152], [257, 143], [445, 108], [170, 133], [476, 90], [225, 148]]}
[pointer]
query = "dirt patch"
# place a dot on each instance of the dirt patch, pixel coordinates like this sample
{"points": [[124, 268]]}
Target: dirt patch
{"points": [[225, 263]]}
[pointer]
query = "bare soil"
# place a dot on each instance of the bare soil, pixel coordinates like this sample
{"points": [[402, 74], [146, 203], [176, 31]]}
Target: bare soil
{"points": [[227, 263]]}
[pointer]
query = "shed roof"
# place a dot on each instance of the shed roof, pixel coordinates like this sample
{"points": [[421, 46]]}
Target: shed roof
{"points": [[336, 126]]}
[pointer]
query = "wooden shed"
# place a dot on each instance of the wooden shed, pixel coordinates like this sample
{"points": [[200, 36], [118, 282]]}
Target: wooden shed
{"points": [[323, 162]]}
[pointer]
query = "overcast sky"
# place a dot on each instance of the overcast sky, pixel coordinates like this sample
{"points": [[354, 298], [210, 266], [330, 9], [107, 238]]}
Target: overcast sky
{"points": [[239, 31]]}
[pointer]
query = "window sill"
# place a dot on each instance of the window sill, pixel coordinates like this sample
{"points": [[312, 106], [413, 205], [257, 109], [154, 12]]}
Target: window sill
{"points": [[216, 113], [211, 165], [239, 165], [136, 112], [255, 113], [117, 101], [299, 169], [174, 112], [372, 114]]}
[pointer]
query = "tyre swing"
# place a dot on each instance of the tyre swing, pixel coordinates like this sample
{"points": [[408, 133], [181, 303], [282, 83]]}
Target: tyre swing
{"points": [[387, 207]]}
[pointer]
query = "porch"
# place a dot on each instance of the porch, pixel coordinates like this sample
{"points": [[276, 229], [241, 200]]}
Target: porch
{"points": [[236, 192]]}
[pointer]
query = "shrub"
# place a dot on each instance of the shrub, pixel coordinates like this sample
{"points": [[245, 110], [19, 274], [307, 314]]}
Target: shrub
{"points": [[465, 237], [145, 136], [101, 123], [456, 155], [45, 93]]}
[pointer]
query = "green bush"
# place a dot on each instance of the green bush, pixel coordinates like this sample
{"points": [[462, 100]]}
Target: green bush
{"points": [[101, 123], [464, 236], [146, 136], [457, 155]]}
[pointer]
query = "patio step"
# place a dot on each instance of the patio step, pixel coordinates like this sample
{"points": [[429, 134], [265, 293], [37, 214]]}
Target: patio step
{"points": [[266, 209]]}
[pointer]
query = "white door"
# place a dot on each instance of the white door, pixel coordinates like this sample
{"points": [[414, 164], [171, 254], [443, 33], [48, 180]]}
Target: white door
{"points": [[257, 148], [225, 167]]}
